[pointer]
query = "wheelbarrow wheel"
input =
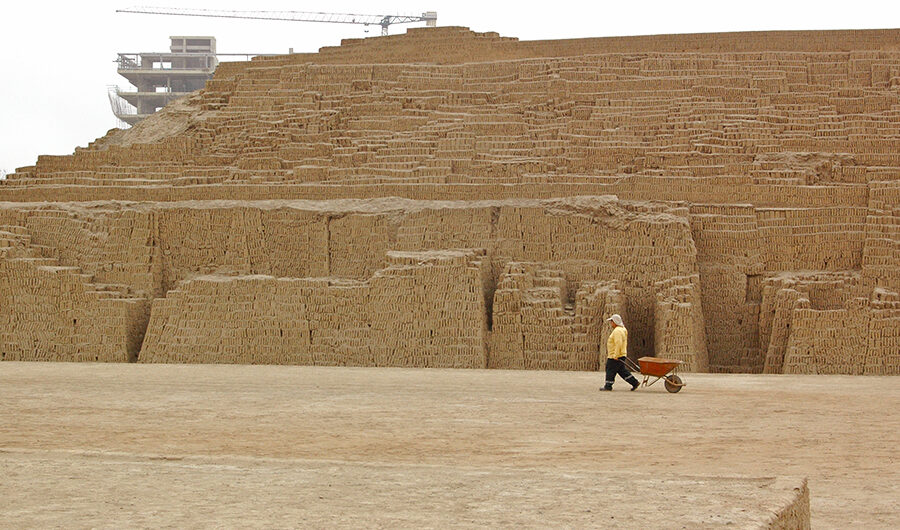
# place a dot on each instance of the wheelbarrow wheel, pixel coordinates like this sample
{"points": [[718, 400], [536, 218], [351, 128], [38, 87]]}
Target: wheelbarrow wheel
{"points": [[673, 384]]}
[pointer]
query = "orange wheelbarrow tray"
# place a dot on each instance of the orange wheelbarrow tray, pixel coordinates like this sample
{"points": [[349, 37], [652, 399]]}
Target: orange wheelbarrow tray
{"points": [[660, 369]]}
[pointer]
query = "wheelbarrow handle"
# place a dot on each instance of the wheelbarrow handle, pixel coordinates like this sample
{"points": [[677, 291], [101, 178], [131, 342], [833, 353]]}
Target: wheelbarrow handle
{"points": [[631, 365]]}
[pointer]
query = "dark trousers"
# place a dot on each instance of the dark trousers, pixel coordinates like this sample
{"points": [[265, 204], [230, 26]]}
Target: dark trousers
{"points": [[615, 366]]}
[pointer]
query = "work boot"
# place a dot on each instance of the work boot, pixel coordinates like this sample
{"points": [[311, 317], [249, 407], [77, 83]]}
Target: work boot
{"points": [[607, 388], [634, 383]]}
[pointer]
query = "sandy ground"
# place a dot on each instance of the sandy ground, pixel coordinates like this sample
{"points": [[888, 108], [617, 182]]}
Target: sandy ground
{"points": [[103, 490], [495, 447]]}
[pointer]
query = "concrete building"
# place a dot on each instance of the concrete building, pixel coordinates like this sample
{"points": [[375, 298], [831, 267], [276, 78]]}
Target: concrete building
{"points": [[163, 76]]}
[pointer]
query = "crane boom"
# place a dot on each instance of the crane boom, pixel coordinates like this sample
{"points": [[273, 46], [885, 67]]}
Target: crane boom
{"points": [[385, 21]]}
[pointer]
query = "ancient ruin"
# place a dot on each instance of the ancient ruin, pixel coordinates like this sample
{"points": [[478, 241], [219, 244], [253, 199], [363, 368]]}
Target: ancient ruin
{"points": [[446, 198]]}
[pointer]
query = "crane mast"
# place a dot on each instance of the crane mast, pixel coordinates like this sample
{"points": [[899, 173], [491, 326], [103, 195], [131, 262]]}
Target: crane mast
{"points": [[385, 21]]}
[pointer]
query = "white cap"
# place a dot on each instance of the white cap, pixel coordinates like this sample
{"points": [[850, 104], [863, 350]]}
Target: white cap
{"points": [[616, 319]]}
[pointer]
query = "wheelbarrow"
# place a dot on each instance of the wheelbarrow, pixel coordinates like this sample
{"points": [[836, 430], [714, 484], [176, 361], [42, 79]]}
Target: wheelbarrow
{"points": [[660, 369]]}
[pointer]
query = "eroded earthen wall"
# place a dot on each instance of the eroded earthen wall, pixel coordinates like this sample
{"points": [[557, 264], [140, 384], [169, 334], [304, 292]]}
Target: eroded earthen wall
{"points": [[53, 312], [861, 339], [538, 323], [424, 309], [730, 263], [679, 330], [734, 188]]}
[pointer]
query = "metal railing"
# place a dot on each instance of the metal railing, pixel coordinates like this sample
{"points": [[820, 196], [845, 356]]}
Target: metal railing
{"points": [[167, 92], [139, 61], [174, 61]]}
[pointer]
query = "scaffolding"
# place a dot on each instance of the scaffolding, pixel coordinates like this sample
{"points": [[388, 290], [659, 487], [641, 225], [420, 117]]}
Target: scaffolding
{"points": [[123, 110]]}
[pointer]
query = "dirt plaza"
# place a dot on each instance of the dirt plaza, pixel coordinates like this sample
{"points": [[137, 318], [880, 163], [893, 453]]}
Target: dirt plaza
{"points": [[192, 444]]}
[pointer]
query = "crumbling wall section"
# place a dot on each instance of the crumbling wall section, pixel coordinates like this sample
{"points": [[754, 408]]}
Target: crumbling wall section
{"points": [[730, 263], [679, 327], [881, 255], [862, 338], [883, 339], [794, 514], [115, 246], [786, 292], [237, 240], [537, 326], [832, 341], [584, 239], [52, 312], [603, 239], [775, 324], [818, 239], [424, 309]]}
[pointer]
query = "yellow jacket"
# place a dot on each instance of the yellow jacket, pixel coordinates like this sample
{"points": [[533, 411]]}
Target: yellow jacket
{"points": [[617, 344]]}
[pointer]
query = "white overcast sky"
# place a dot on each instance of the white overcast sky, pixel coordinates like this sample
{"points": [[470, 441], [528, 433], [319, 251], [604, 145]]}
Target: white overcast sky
{"points": [[57, 57]]}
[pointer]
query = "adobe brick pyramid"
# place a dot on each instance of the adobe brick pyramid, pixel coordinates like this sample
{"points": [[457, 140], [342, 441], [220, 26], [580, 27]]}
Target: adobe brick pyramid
{"points": [[446, 198]]}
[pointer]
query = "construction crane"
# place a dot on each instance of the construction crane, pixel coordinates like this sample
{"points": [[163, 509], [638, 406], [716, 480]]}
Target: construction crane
{"points": [[385, 21]]}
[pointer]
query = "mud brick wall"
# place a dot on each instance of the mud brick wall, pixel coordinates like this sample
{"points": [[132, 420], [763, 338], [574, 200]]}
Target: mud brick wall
{"points": [[883, 338], [429, 309], [256, 319], [286, 241], [357, 243], [50, 314], [115, 246], [457, 44], [627, 187], [241, 241], [730, 262], [768, 127], [785, 292], [587, 239], [823, 239], [827, 342], [764, 163], [610, 239], [679, 330], [602, 239], [862, 338], [465, 225], [881, 255], [424, 309], [776, 315], [816, 323], [537, 326]]}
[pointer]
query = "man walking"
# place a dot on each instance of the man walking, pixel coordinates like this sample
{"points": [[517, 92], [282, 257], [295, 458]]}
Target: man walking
{"points": [[616, 351]]}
